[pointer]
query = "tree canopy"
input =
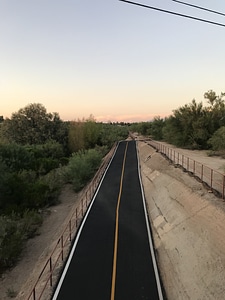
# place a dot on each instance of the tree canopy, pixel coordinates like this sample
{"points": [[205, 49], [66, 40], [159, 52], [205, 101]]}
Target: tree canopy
{"points": [[33, 125], [192, 125]]}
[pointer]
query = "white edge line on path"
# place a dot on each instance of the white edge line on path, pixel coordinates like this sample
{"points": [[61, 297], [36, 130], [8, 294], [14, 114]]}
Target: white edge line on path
{"points": [[149, 232], [57, 290]]}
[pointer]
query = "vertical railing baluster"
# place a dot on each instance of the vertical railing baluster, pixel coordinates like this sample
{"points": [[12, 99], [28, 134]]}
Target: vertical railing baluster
{"points": [[62, 246], [50, 265]]}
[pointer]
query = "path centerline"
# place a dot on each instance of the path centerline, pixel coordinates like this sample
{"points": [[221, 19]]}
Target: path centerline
{"points": [[113, 286]]}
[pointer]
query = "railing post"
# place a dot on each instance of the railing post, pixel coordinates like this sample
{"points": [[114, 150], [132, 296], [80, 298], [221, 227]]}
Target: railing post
{"points": [[62, 245], [82, 205], [211, 178], [188, 164], [223, 186], [70, 229], [50, 264], [76, 218], [34, 295], [202, 173]]}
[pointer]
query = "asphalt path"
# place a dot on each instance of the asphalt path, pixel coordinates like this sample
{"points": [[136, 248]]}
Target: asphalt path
{"points": [[111, 258]]}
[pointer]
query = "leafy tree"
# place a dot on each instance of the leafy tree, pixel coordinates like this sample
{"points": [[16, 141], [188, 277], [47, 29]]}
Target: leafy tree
{"points": [[172, 131], [86, 134], [111, 133], [211, 96], [91, 132], [33, 125], [215, 113], [76, 136], [187, 127], [39, 158], [143, 128], [16, 157], [157, 128], [217, 141]]}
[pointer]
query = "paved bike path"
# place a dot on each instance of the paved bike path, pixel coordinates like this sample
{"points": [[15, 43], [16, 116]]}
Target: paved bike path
{"points": [[89, 271]]}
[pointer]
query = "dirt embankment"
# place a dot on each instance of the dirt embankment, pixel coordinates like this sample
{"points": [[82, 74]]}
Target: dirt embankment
{"points": [[188, 228]]}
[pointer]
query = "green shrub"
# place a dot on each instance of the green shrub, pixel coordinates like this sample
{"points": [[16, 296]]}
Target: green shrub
{"points": [[30, 222], [82, 166], [54, 181], [14, 230], [11, 293], [16, 157], [11, 241], [217, 141]]}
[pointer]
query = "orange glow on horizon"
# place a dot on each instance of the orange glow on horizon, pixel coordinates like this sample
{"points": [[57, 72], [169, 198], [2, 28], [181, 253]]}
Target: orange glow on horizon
{"points": [[129, 118]]}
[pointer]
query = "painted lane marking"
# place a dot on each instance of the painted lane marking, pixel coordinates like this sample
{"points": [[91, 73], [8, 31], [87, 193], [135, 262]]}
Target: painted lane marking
{"points": [[117, 228], [77, 237]]}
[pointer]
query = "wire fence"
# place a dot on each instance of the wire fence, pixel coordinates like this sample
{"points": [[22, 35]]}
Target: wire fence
{"points": [[47, 279], [214, 180]]}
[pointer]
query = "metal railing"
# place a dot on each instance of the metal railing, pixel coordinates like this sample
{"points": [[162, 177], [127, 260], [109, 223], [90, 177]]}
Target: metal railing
{"points": [[212, 178], [43, 287]]}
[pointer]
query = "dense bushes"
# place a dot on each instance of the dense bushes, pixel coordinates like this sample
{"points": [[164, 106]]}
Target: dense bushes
{"points": [[28, 176], [38, 154], [88, 133], [39, 158], [217, 141], [81, 167], [14, 230]]}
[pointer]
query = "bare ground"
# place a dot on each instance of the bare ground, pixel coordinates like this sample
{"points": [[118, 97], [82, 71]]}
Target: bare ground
{"points": [[187, 224], [188, 227]]}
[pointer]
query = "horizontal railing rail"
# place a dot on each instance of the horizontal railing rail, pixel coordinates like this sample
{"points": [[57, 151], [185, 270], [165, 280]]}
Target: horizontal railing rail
{"points": [[43, 287], [214, 179]]}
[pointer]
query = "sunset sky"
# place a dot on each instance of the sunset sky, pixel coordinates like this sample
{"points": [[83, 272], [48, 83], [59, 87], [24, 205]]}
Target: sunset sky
{"points": [[114, 60]]}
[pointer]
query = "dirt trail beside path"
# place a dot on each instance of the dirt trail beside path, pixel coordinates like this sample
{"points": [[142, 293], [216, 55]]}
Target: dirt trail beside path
{"points": [[187, 224]]}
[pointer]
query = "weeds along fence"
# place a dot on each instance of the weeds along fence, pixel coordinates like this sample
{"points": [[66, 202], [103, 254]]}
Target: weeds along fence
{"points": [[214, 180], [43, 287]]}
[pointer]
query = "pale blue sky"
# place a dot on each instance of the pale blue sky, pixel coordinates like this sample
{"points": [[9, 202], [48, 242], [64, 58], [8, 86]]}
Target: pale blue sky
{"points": [[108, 58]]}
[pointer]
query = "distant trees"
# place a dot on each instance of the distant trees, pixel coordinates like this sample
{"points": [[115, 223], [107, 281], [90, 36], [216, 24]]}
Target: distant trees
{"points": [[83, 134], [192, 125], [87, 133]]}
